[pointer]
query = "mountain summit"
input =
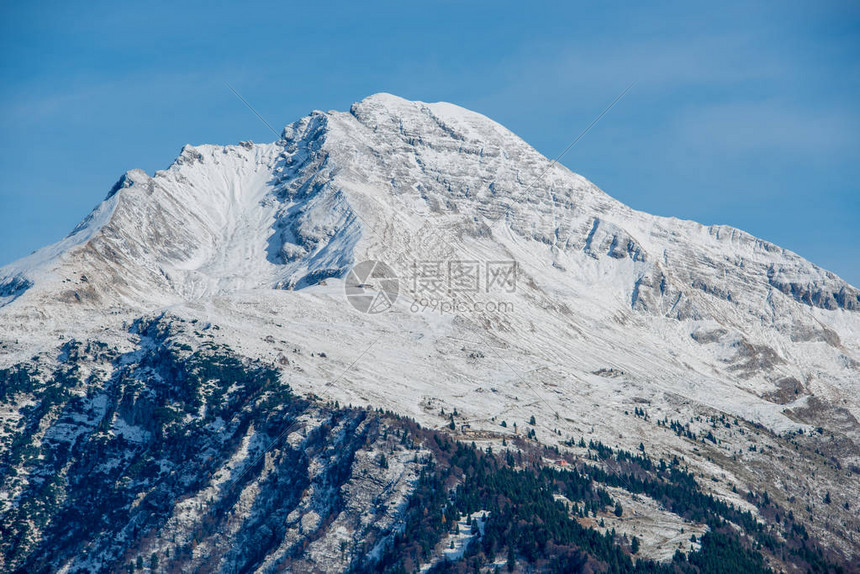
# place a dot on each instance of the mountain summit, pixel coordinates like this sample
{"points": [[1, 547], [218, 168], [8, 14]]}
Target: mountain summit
{"points": [[523, 294], [289, 214]]}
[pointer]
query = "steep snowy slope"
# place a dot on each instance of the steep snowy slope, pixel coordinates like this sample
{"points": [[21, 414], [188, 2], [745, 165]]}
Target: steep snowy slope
{"points": [[611, 309], [404, 182]]}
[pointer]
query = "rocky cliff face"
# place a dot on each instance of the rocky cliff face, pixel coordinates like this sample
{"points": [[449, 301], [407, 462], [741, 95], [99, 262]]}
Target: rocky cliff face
{"points": [[606, 312], [192, 456]]}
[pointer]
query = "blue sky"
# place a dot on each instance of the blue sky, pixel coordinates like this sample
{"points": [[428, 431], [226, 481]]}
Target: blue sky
{"points": [[747, 115]]}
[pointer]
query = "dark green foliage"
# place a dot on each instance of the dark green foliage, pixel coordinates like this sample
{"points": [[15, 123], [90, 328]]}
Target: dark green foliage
{"points": [[526, 523], [196, 405], [722, 553], [17, 380], [524, 520], [90, 497]]}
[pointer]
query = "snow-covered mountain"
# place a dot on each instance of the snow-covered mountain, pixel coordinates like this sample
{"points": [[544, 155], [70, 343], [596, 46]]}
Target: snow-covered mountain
{"points": [[523, 291]]}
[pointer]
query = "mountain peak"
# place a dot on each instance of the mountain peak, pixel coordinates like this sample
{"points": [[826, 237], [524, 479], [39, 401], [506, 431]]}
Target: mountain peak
{"points": [[385, 99], [311, 203], [417, 117], [601, 310]]}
